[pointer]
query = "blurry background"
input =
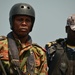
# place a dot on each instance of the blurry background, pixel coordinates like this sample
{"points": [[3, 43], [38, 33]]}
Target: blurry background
{"points": [[50, 21]]}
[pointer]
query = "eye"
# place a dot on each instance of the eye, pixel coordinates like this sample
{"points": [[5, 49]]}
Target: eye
{"points": [[20, 19], [28, 20]]}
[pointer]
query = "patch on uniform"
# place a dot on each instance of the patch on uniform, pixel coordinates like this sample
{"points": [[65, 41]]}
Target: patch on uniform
{"points": [[2, 37]]}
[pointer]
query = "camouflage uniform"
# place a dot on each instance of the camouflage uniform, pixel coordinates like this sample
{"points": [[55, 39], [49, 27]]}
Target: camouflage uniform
{"points": [[39, 55]]}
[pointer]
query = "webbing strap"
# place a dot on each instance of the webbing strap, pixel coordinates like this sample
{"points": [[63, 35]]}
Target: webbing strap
{"points": [[30, 64], [14, 55], [24, 59], [13, 51]]}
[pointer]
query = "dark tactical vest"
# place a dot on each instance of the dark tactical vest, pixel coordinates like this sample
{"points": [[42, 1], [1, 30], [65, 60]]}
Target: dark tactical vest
{"points": [[60, 60]]}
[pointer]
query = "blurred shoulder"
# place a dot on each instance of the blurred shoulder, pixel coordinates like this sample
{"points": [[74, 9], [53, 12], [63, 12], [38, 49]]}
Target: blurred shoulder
{"points": [[53, 43], [3, 42], [38, 47], [3, 38], [49, 44]]}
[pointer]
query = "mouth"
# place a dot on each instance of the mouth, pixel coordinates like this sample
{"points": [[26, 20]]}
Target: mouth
{"points": [[23, 29]]}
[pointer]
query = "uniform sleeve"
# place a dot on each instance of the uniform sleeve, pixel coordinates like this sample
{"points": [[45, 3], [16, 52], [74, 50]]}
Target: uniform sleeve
{"points": [[43, 68], [3, 53], [41, 60]]}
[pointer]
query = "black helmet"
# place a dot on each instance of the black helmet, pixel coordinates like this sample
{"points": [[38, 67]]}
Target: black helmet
{"points": [[21, 9]]}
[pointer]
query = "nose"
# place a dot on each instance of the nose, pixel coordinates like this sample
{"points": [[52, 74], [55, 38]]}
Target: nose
{"points": [[24, 23]]}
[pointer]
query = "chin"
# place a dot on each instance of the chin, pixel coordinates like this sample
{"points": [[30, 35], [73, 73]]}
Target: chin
{"points": [[22, 35]]}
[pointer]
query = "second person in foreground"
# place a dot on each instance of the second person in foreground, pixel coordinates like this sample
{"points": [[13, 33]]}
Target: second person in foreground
{"points": [[61, 52]]}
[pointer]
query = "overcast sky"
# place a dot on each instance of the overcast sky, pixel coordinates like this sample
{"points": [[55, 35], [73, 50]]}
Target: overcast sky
{"points": [[50, 21]]}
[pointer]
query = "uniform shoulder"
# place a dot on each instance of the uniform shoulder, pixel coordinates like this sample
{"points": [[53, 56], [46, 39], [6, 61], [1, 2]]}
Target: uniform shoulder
{"points": [[50, 47], [2, 38], [38, 47], [49, 44], [60, 40], [53, 45]]}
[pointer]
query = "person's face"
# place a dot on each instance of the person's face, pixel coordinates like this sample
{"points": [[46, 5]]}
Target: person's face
{"points": [[22, 25]]}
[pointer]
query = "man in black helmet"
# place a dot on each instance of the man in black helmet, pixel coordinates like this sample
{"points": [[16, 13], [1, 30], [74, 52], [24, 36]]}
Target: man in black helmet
{"points": [[18, 54], [61, 52]]}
